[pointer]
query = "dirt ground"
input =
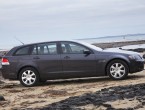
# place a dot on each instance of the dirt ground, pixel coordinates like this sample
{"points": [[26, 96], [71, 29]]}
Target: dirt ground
{"points": [[19, 97]]}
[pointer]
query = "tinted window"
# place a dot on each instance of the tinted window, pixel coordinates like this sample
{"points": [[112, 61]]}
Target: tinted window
{"points": [[64, 48], [47, 48], [23, 51], [72, 48], [34, 50]]}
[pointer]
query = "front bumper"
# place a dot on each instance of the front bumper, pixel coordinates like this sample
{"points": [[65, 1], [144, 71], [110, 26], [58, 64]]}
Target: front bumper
{"points": [[137, 66]]}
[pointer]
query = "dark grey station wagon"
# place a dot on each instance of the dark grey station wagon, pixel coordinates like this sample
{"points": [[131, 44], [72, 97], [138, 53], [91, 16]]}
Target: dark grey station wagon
{"points": [[39, 62]]}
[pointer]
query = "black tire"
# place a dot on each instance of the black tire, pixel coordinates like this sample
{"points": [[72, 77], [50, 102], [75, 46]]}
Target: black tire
{"points": [[23, 79], [117, 74]]}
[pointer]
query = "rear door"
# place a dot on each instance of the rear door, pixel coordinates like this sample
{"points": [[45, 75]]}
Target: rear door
{"points": [[47, 58], [75, 63]]}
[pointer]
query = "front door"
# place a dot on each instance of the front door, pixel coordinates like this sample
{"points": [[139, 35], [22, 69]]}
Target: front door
{"points": [[75, 63]]}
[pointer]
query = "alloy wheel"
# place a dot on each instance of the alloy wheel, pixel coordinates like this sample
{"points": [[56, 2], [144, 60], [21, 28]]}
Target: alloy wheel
{"points": [[28, 77], [117, 70]]}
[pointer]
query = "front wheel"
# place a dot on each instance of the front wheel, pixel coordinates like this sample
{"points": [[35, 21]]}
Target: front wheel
{"points": [[117, 69], [29, 77]]}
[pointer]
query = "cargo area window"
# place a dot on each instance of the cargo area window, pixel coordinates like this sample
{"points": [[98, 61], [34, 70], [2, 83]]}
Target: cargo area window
{"points": [[23, 51]]}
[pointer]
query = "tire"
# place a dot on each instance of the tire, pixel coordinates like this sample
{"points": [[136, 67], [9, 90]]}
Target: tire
{"points": [[29, 77], [117, 70]]}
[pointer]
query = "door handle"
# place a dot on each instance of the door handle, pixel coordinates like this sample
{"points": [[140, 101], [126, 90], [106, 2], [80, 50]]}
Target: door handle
{"points": [[36, 57], [66, 57]]}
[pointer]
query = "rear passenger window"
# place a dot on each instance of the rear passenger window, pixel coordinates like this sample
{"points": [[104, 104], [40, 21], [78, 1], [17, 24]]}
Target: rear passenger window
{"points": [[23, 51], [34, 50], [47, 48]]}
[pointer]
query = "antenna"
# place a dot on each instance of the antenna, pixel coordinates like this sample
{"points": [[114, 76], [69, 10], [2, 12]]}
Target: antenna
{"points": [[18, 40]]}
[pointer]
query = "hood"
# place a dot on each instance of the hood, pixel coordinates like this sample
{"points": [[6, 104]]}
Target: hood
{"points": [[117, 50]]}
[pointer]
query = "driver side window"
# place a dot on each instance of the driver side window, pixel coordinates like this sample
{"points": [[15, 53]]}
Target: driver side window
{"points": [[72, 48]]}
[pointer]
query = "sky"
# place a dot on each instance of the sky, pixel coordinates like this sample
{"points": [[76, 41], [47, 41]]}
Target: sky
{"points": [[45, 20]]}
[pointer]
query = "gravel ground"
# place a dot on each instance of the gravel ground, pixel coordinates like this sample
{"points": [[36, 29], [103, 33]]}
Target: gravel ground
{"points": [[76, 94], [101, 98]]}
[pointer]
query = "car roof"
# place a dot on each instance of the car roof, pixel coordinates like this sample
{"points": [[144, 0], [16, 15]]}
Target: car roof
{"points": [[21, 46], [47, 42]]}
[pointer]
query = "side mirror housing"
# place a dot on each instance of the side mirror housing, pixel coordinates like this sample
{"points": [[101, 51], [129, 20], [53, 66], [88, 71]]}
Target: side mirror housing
{"points": [[87, 52]]}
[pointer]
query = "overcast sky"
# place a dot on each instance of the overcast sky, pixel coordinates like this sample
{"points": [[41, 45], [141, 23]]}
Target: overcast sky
{"points": [[45, 20]]}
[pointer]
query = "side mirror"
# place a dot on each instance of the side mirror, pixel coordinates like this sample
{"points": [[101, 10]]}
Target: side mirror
{"points": [[143, 56], [86, 52]]}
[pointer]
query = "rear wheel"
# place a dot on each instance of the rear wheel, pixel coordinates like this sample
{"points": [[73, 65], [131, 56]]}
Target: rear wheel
{"points": [[29, 77], [117, 69]]}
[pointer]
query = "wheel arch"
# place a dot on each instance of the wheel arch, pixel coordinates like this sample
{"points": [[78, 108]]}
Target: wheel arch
{"points": [[28, 66], [116, 59]]}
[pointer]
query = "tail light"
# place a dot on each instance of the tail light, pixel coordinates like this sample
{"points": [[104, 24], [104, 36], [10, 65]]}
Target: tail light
{"points": [[5, 61]]}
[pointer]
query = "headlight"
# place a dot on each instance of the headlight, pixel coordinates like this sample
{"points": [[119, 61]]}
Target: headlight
{"points": [[135, 57]]}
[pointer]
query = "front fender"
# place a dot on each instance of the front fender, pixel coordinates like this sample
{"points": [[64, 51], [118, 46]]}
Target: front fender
{"points": [[121, 57], [118, 57]]}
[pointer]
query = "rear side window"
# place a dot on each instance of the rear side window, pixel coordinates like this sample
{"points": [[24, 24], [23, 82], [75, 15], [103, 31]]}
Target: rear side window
{"points": [[23, 51], [47, 48], [34, 50]]}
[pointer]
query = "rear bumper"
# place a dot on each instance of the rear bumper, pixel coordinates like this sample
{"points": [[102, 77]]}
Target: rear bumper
{"points": [[7, 73], [137, 66]]}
